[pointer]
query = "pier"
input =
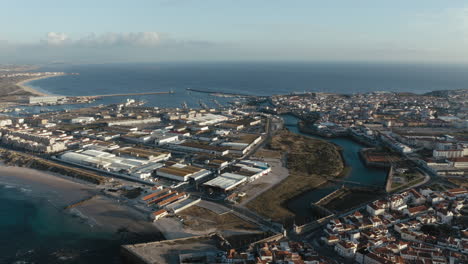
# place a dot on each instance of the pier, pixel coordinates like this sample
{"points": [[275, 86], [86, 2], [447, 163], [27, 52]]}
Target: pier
{"points": [[218, 93], [125, 94]]}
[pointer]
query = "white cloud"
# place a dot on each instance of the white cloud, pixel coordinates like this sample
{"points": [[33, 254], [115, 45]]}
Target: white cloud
{"points": [[105, 39], [56, 38]]}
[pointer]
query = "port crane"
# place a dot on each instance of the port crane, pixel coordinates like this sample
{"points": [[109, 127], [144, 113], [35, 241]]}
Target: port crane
{"points": [[217, 103], [202, 104]]}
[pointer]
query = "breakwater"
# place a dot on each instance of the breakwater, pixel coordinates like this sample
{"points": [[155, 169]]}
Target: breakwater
{"points": [[219, 93], [81, 202]]}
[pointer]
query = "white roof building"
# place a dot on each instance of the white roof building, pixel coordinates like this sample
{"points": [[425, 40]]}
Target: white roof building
{"points": [[226, 181]]}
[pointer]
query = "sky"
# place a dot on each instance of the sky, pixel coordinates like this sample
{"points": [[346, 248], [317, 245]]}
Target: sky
{"points": [[101, 31]]}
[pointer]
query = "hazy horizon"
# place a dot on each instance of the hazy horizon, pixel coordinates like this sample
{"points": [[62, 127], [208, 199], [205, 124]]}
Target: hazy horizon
{"points": [[207, 31]]}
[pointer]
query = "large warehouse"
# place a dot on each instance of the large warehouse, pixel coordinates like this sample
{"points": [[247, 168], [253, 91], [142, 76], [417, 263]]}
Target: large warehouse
{"points": [[182, 172], [109, 162], [226, 181]]}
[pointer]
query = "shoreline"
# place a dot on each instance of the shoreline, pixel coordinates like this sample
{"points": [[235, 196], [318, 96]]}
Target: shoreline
{"points": [[100, 212], [25, 87]]}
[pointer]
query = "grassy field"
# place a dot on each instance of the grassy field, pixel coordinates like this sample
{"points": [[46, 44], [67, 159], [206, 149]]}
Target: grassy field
{"points": [[310, 162]]}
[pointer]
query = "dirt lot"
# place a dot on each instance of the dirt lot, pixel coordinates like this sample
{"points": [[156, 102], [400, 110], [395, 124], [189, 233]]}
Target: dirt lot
{"points": [[267, 153], [310, 162], [199, 219], [277, 174], [459, 181]]}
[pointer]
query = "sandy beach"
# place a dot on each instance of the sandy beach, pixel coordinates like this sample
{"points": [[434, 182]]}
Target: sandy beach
{"points": [[100, 211], [58, 190], [23, 85]]}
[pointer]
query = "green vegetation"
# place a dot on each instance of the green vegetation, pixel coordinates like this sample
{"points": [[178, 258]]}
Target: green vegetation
{"points": [[310, 162]]}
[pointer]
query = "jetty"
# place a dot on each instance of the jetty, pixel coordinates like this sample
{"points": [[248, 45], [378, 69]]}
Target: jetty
{"points": [[125, 94], [218, 93]]}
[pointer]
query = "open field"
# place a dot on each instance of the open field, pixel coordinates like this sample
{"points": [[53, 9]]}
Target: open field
{"points": [[267, 153], [199, 219], [278, 173], [310, 162]]}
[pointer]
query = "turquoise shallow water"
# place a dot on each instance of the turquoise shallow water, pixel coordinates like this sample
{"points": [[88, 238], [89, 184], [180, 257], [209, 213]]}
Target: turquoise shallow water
{"points": [[33, 230]]}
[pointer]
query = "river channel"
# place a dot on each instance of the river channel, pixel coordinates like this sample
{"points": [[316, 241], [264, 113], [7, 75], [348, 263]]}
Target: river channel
{"points": [[300, 205]]}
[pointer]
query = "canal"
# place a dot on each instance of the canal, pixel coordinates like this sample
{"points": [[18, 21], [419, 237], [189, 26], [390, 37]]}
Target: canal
{"points": [[300, 205]]}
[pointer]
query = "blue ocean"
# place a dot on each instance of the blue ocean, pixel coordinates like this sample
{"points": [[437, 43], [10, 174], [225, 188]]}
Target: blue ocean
{"points": [[31, 230], [247, 78]]}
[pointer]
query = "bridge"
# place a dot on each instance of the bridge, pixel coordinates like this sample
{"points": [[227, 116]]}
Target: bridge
{"points": [[357, 184]]}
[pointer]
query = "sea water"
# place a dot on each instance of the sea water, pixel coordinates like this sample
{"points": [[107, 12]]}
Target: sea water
{"points": [[34, 230], [246, 78]]}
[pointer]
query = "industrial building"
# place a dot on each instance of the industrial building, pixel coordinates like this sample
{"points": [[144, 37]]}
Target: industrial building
{"points": [[82, 120], [143, 153], [45, 99], [139, 168], [226, 181], [182, 205], [160, 214], [193, 146], [214, 163], [241, 144], [130, 122], [162, 137], [138, 137], [205, 119], [182, 172], [252, 169]]}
